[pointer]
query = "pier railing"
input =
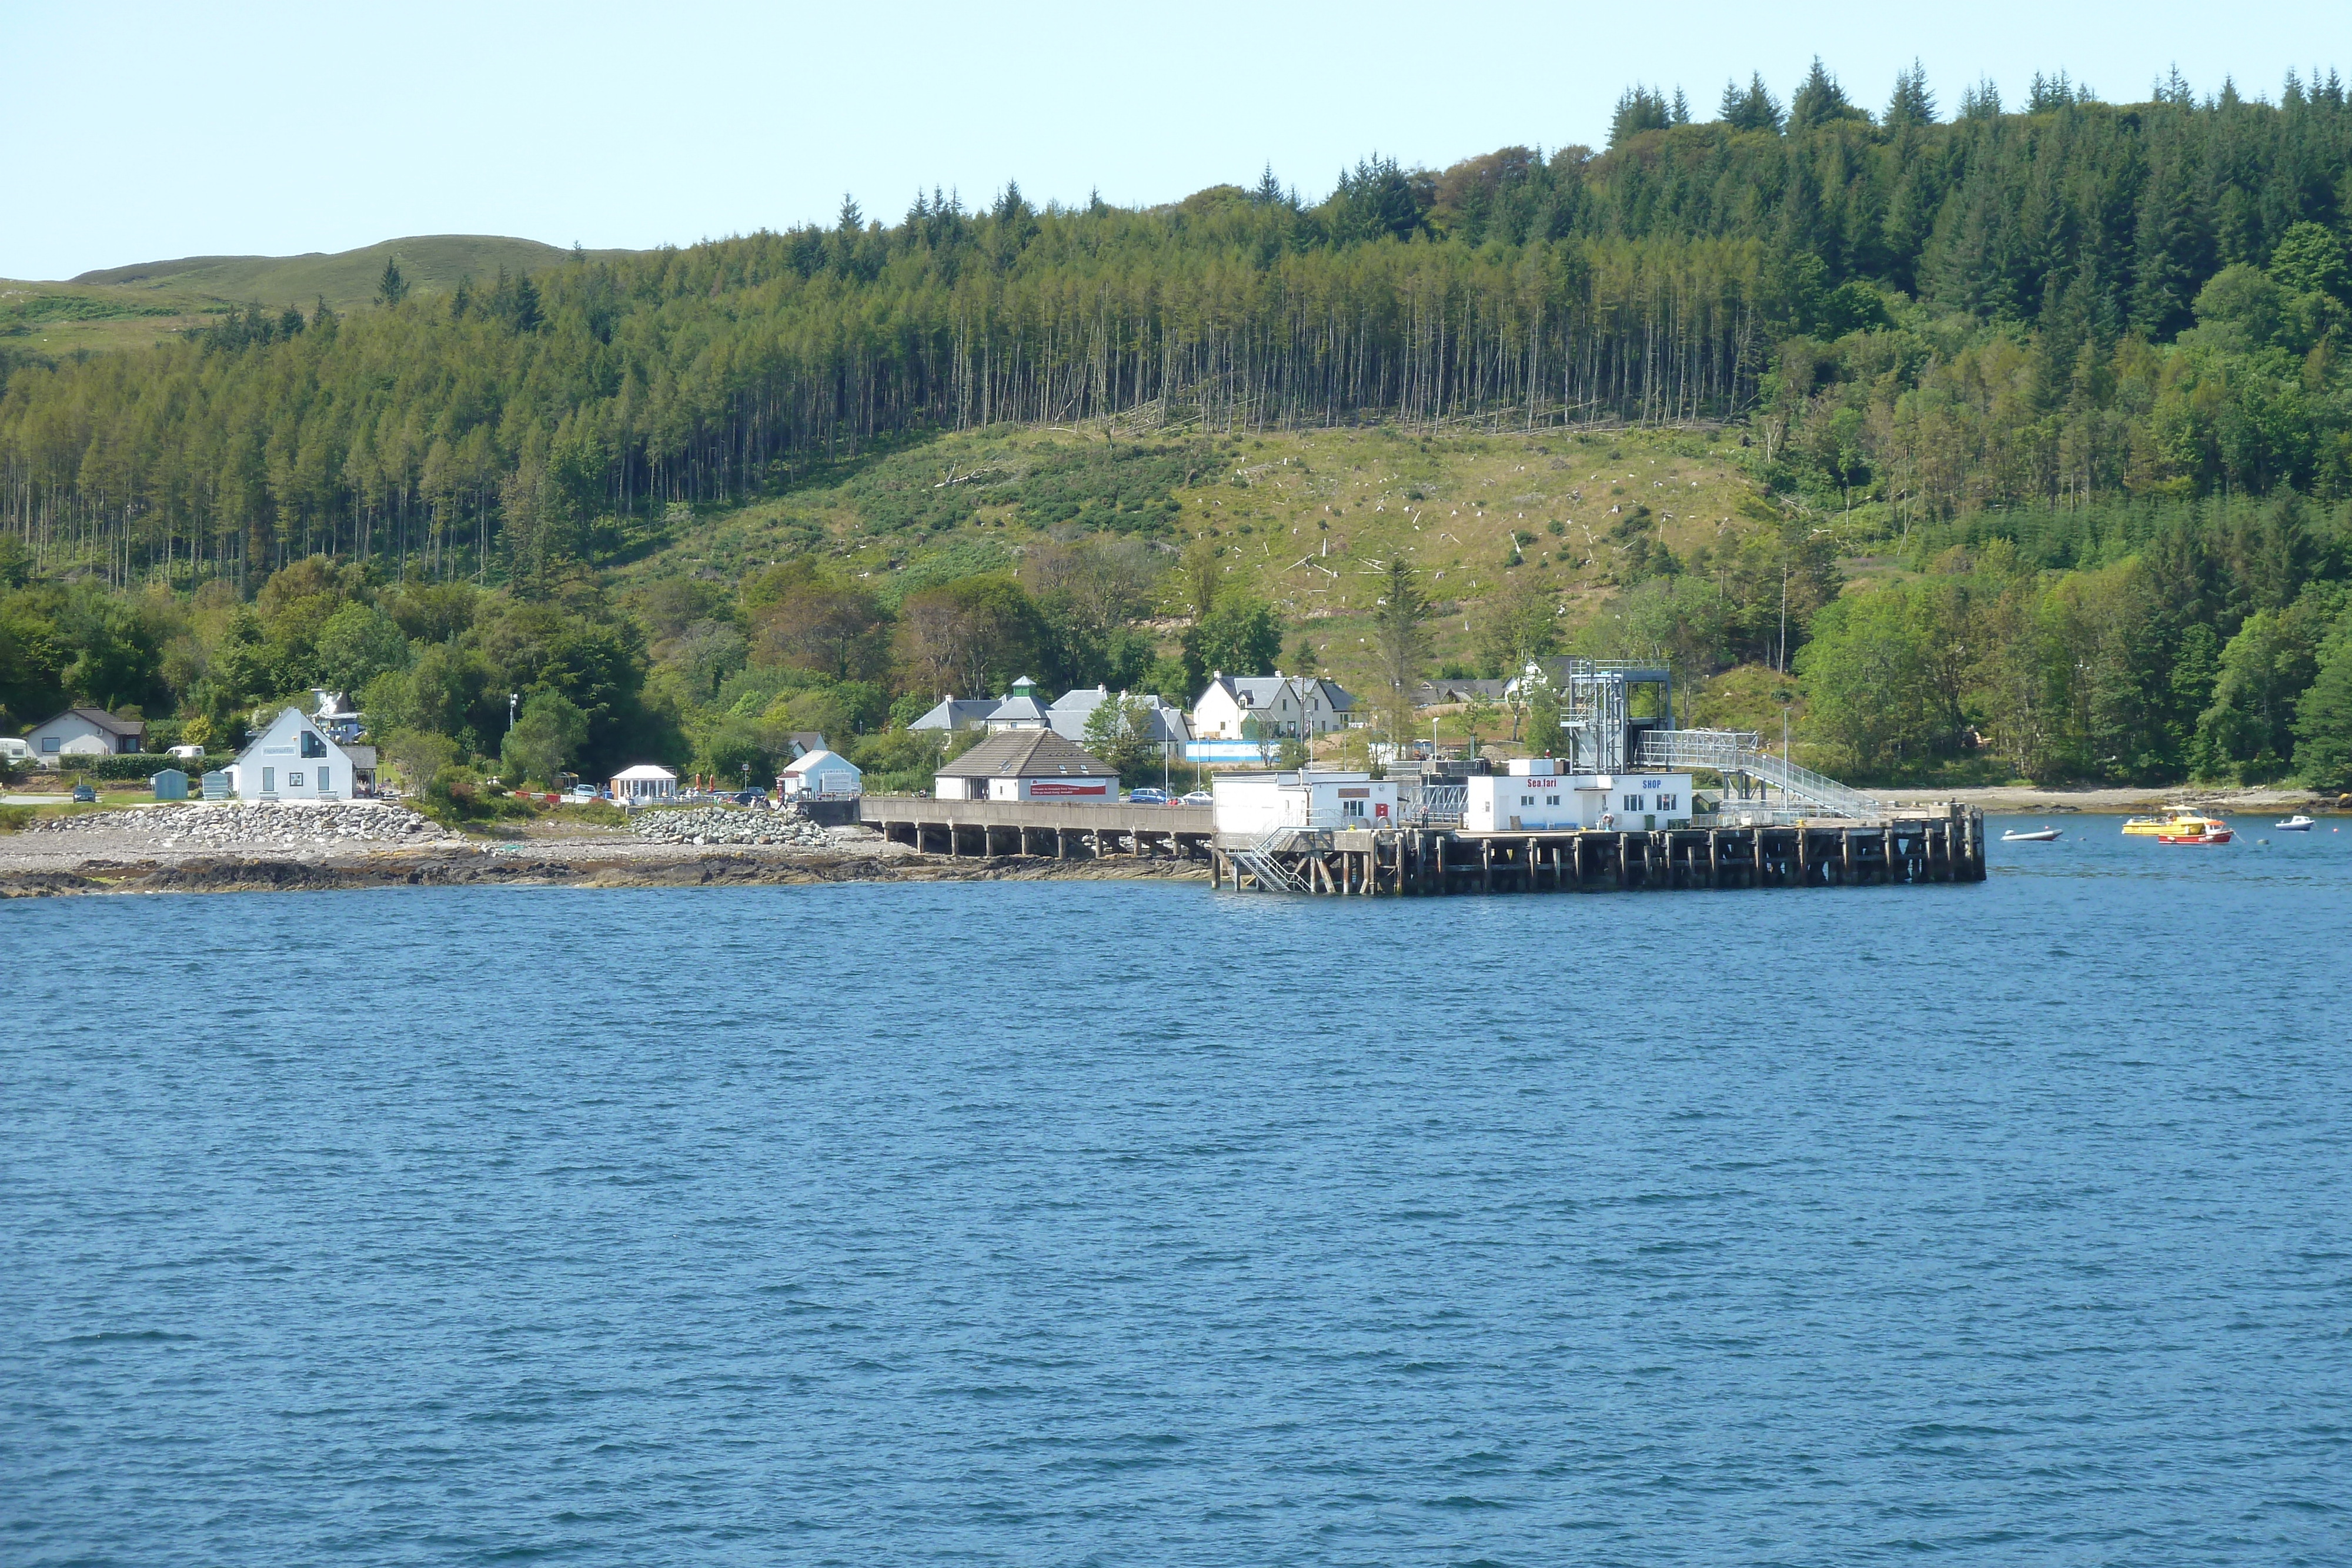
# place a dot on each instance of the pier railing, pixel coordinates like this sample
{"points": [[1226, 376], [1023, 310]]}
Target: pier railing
{"points": [[1742, 751]]}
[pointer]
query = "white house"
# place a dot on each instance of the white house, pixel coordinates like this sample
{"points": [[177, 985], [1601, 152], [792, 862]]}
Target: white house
{"points": [[292, 760], [1534, 796], [1254, 708], [1072, 710], [84, 732], [1259, 802], [820, 775], [644, 785], [1028, 765], [1019, 709]]}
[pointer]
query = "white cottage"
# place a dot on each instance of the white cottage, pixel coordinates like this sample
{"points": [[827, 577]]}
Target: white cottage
{"points": [[293, 759], [1534, 796], [1257, 802], [820, 775]]}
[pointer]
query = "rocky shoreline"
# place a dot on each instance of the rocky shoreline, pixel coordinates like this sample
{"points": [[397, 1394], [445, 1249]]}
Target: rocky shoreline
{"points": [[296, 849]]}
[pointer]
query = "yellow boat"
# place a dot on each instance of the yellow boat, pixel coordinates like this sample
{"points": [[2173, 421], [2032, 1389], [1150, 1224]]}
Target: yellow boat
{"points": [[2180, 822]]}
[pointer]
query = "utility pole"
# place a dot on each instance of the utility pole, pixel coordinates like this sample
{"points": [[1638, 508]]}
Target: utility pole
{"points": [[1784, 617]]}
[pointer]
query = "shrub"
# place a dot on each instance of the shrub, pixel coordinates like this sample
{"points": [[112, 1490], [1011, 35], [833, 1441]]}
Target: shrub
{"points": [[14, 818], [138, 765]]}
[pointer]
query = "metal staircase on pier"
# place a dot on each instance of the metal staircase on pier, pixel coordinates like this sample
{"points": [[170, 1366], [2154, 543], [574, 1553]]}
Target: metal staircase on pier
{"points": [[1259, 861], [1730, 751]]}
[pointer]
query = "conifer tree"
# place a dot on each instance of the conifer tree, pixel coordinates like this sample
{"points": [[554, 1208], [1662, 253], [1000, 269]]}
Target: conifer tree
{"points": [[1912, 104], [391, 287], [1752, 108]]}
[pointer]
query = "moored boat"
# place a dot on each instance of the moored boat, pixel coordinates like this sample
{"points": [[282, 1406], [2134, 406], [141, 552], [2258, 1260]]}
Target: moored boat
{"points": [[2192, 828], [2041, 836], [2175, 820], [2298, 823]]}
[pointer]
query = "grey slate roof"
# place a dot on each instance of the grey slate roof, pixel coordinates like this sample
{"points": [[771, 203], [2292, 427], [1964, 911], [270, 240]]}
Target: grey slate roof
{"points": [[1072, 709], [1261, 691], [1028, 754], [957, 713], [100, 717]]}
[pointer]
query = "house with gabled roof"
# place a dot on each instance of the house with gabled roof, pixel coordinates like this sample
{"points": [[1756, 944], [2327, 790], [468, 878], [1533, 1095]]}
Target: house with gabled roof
{"points": [[1260, 707], [84, 732], [1072, 711], [952, 713], [1028, 765], [293, 759], [1019, 709]]}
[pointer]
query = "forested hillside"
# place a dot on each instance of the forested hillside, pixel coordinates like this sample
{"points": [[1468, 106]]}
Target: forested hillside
{"points": [[2062, 384]]}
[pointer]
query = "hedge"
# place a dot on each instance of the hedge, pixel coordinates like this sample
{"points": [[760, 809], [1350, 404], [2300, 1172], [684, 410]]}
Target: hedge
{"points": [[139, 765]]}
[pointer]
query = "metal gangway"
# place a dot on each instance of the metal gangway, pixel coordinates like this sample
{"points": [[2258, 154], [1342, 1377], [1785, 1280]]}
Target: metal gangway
{"points": [[1259, 860], [1741, 751]]}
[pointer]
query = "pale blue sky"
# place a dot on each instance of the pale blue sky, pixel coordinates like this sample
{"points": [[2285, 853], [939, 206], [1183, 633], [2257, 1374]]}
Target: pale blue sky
{"points": [[136, 132]]}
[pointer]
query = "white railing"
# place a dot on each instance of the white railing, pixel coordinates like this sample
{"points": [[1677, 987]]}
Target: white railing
{"points": [[1259, 860], [1741, 751]]}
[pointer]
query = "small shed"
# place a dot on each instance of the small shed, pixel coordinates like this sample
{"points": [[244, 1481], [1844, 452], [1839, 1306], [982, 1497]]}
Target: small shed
{"points": [[820, 776], [644, 785], [170, 784], [1028, 765], [219, 786]]}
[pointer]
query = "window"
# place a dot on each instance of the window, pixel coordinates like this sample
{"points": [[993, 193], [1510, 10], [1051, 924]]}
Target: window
{"points": [[1632, 802], [269, 780], [312, 746], [294, 782], [1665, 802], [1551, 799], [1351, 808], [322, 780], [50, 745], [1526, 799]]}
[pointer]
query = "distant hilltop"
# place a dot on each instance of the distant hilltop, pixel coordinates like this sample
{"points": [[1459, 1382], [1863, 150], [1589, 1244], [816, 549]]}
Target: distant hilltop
{"points": [[431, 263], [150, 301]]}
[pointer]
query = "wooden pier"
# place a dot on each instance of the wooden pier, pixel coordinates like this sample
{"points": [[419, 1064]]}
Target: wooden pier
{"points": [[1937, 844], [1051, 830], [1945, 845]]}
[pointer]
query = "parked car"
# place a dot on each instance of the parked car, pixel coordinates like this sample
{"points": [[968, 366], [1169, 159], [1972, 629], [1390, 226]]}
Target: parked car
{"points": [[747, 798], [581, 793], [1199, 797], [83, 794], [1147, 797]]}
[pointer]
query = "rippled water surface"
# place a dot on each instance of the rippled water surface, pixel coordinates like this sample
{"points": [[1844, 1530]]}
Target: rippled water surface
{"points": [[1021, 1223]]}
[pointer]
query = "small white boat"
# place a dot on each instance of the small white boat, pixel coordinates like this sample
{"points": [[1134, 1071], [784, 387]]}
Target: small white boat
{"points": [[2298, 823], [2039, 836]]}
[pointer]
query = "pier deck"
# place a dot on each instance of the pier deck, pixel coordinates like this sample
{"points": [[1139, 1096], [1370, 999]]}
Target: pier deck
{"points": [[1940, 845], [1933, 845], [1055, 829]]}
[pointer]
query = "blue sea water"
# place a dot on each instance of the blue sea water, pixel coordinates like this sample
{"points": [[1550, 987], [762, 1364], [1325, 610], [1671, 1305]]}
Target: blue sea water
{"points": [[1113, 1223]]}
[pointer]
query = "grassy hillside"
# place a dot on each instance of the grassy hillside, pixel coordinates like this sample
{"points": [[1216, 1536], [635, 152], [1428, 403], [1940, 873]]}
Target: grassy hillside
{"points": [[131, 306], [1303, 520]]}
